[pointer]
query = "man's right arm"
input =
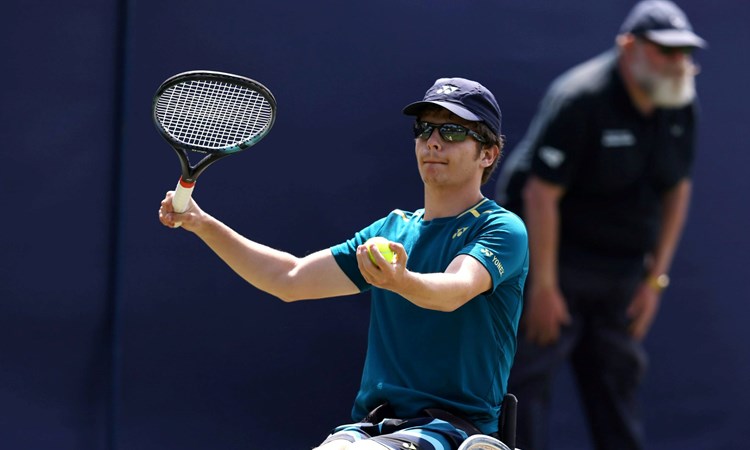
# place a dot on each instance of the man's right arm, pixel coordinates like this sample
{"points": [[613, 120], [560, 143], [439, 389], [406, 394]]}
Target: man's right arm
{"points": [[279, 273], [546, 309]]}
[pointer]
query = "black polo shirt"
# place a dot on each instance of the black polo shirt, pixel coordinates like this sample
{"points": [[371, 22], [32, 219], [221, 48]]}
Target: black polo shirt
{"points": [[614, 162]]}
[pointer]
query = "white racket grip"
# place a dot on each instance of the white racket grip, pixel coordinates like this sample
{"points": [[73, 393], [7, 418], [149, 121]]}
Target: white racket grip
{"points": [[181, 199]]}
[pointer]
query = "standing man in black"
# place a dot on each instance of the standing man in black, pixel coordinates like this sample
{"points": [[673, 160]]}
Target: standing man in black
{"points": [[602, 179]]}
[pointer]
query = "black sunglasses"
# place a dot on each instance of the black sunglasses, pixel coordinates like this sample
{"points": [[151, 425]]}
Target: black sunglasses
{"points": [[450, 132], [669, 51]]}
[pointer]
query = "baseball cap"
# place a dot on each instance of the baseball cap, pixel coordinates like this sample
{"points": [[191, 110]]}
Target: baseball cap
{"points": [[663, 22], [467, 99]]}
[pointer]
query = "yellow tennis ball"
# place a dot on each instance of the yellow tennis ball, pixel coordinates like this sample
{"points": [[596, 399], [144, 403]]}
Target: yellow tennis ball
{"points": [[382, 245]]}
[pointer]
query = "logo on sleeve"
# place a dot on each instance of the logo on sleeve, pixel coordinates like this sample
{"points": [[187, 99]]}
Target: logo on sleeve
{"points": [[551, 156], [496, 262]]}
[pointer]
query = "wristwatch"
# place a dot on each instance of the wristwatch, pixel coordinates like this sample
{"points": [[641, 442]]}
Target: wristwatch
{"points": [[659, 282]]}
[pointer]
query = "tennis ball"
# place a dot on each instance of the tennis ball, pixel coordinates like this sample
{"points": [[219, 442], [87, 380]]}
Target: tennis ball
{"points": [[382, 245]]}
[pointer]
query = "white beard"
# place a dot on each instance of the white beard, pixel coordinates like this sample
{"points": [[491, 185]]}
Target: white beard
{"points": [[673, 92], [666, 91]]}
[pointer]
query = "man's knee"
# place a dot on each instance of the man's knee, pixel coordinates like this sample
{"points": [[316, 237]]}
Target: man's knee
{"points": [[367, 445], [334, 445]]}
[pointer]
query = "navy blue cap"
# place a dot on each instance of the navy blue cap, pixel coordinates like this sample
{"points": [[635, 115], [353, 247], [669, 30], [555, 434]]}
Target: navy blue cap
{"points": [[663, 22], [467, 99]]}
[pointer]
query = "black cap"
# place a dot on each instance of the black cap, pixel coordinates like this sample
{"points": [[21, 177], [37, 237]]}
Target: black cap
{"points": [[467, 99], [663, 22]]}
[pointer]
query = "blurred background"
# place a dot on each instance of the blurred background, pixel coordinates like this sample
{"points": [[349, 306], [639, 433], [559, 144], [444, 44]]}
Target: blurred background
{"points": [[117, 333]]}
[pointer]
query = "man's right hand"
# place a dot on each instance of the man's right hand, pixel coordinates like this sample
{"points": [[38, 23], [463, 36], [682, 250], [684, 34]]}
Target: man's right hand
{"points": [[546, 311], [190, 220]]}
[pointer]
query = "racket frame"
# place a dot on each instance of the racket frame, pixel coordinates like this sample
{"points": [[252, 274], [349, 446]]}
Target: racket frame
{"points": [[190, 172]]}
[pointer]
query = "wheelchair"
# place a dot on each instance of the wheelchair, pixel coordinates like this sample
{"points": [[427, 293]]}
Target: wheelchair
{"points": [[506, 439]]}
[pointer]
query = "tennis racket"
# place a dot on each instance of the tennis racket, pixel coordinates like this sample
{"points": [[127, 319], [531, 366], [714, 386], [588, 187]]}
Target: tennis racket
{"points": [[211, 113]]}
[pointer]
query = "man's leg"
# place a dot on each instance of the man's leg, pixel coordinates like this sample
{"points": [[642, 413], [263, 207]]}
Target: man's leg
{"points": [[341, 444], [609, 366], [424, 433], [531, 380]]}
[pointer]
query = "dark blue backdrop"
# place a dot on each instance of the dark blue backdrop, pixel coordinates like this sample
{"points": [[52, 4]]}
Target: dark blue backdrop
{"points": [[118, 333]]}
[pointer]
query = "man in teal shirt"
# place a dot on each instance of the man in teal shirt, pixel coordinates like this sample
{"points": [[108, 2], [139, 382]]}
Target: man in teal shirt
{"points": [[445, 313]]}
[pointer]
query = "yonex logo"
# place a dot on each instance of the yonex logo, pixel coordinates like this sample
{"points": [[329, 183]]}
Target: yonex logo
{"points": [[447, 89], [496, 262], [459, 232]]}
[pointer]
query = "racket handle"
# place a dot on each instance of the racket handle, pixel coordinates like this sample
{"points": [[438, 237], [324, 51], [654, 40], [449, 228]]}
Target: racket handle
{"points": [[181, 198]]}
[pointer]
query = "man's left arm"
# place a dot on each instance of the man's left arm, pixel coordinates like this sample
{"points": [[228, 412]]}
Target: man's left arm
{"points": [[642, 310], [463, 279], [499, 254], [675, 205]]}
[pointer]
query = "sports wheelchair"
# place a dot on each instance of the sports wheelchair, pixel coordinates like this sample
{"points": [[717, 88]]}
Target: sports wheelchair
{"points": [[506, 435]]}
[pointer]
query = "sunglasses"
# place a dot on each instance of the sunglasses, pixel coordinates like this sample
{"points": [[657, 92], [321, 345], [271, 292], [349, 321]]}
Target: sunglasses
{"points": [[669, 51], [450, 132]]}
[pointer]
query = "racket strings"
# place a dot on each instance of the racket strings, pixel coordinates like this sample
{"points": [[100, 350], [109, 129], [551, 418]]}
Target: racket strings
{"points": [[213, 114]]}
